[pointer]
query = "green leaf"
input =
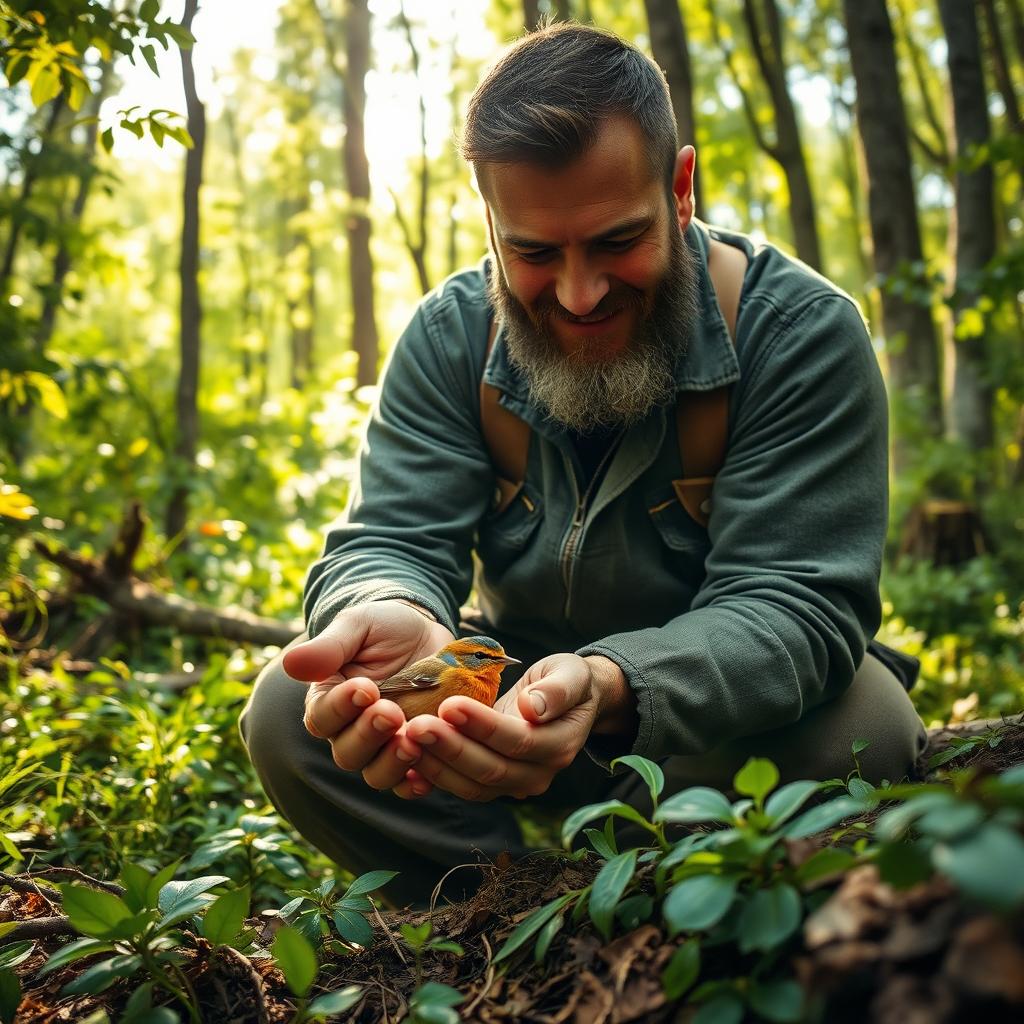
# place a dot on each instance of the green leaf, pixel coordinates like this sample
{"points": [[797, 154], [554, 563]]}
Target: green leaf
{"points": [[135, 880], [226, 916], [358, 903], [445, 946], [988, 865], [415, 935], [768, 918], [92, 911], [16, 953], [951, 822], [149, 9], [433, 993], [101, 976], [547, 933], [785, 802], [859, 788], [725, 1008], [531, 925], [682, 970], [176, 894], [160, 879], [903, 864], [634, 910], [183, 911], [609, 885], [599, 843], [338, 1001], [699, 902], [757, 778], [10, 996], [581, 817], [781, 1001], [296, 960], [353, 927], [149, 54], [858, 745], [824, 863], [74, 951], [369, 882], [650, 772], [822, 817], [893, 823], [696, 804]]}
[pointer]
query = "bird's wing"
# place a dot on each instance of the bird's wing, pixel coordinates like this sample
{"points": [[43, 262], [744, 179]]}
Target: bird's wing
{"points": [[421, 675]]}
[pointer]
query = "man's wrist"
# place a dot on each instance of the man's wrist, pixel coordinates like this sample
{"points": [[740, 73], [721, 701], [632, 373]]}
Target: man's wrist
{"points": [[616, 702], [425, 612]]}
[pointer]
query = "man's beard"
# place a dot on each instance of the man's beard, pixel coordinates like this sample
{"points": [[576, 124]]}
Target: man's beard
{"points": [[585, 394]]}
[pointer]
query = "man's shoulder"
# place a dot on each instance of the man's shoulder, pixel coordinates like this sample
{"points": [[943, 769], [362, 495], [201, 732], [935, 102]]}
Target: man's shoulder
{"points": [[460, 301]]}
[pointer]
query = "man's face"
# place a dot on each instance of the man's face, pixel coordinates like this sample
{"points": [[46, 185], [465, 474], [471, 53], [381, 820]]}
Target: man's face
{"points": [[594, 283]]}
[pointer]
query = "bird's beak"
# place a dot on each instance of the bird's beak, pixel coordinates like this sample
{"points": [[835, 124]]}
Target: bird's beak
{"points": [[506, 660]]}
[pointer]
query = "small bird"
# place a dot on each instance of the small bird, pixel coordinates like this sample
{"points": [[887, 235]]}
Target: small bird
{"points": [[471, 666]]}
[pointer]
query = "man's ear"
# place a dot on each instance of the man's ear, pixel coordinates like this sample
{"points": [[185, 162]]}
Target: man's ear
{"points": [[682, 185]]}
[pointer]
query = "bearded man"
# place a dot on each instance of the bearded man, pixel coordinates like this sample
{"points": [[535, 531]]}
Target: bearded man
{"points": [[696, 637]]}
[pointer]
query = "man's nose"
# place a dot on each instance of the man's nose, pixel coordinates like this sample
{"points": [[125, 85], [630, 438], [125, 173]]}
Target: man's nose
{"points": [[580, 287]]}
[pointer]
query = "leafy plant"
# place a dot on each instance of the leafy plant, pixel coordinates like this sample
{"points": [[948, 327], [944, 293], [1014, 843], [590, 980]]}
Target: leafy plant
{"points": [[431, 1003], [297, 961], [347, 912], [138, 928]]}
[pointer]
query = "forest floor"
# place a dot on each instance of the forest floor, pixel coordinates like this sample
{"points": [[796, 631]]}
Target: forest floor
{"points": [[870, 953]]}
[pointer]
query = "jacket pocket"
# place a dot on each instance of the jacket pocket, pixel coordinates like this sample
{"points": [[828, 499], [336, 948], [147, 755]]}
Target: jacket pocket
{"points": [[504, 533], [674, 525]]}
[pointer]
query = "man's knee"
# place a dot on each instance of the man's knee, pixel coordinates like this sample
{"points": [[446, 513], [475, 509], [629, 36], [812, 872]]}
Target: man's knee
{"points": [[271, 724]]}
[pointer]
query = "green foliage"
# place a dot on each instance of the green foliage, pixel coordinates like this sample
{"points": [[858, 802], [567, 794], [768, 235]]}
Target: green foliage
{"points": [[735, 883], [314, 911], [297, 961]]}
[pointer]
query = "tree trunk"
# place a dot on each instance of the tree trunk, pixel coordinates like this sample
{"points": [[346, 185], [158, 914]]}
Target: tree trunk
{"points": [[186, 403], [357, 179], [53, 293], [531, 14], [30, 170], [767, 44], [1001, 67], [892, 209], [1017, 21], [671, 50], [971, 406]]}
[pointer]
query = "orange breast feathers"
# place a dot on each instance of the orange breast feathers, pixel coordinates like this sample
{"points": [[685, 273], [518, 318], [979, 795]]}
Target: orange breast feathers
{"points": [[471, 666]]}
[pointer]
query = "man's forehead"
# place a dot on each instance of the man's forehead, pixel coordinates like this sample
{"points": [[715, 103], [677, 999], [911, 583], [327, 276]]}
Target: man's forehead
{"points": [[611, 183]]}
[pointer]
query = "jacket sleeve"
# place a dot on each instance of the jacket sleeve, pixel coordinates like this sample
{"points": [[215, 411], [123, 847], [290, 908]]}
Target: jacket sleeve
{"points": [[423, 481], [797, 528]]}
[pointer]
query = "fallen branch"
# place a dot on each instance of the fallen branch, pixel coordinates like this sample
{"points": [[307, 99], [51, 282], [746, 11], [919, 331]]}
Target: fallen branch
{"points": [[262, 1014], [136, 598], [39, 928]]}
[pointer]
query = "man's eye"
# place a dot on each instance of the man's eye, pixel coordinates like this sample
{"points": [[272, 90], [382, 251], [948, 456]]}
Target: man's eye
{"points": [[534, 255], [618, 244]]}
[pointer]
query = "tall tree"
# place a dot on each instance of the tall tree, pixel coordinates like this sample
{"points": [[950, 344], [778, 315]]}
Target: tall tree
{"points": [[892, 209], [671, 50], [187, 395], [764, 30], [352, 73], [416, 240], [971, 405], [1001, 66]]}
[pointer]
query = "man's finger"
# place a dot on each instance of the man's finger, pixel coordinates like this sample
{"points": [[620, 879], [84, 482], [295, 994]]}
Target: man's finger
{"points": [[325, 654], [390, 766], [472, 760], [332, 705], [359, 743], [551, 697]]}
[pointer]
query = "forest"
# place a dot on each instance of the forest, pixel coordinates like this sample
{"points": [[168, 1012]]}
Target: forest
{"points": [[215, 222]]}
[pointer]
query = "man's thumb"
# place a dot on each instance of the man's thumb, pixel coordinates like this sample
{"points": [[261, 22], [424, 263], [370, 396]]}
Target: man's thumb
{"points": [[319, 658], [551, 697]]}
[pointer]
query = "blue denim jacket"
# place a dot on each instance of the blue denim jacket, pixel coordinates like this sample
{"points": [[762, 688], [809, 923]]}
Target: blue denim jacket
{"points": [[721, 632]]}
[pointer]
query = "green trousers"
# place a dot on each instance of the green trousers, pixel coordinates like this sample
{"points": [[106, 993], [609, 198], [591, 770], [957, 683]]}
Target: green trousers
{"points": [[361, 828]]}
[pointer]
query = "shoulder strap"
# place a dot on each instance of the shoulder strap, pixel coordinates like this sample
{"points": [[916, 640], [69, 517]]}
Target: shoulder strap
{"points": [[702, 419], [506, 435]]}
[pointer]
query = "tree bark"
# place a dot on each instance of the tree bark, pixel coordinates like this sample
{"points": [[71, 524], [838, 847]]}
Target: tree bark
{"points": [[30, 171], [892, 209], [1001, 67], [53, 293], [768, 51], [973, 394], [186, 401], [671, 50], [357, 178]]}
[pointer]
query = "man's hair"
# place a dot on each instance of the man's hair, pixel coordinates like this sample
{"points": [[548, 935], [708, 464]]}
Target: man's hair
{"points": [[546, 98]]}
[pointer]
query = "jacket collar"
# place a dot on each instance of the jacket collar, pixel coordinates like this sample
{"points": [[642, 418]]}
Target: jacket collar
{"points": [[709, 360]]}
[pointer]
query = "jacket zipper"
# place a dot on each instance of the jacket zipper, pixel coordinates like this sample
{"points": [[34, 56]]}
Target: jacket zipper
{"points": [[572, 537]]}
